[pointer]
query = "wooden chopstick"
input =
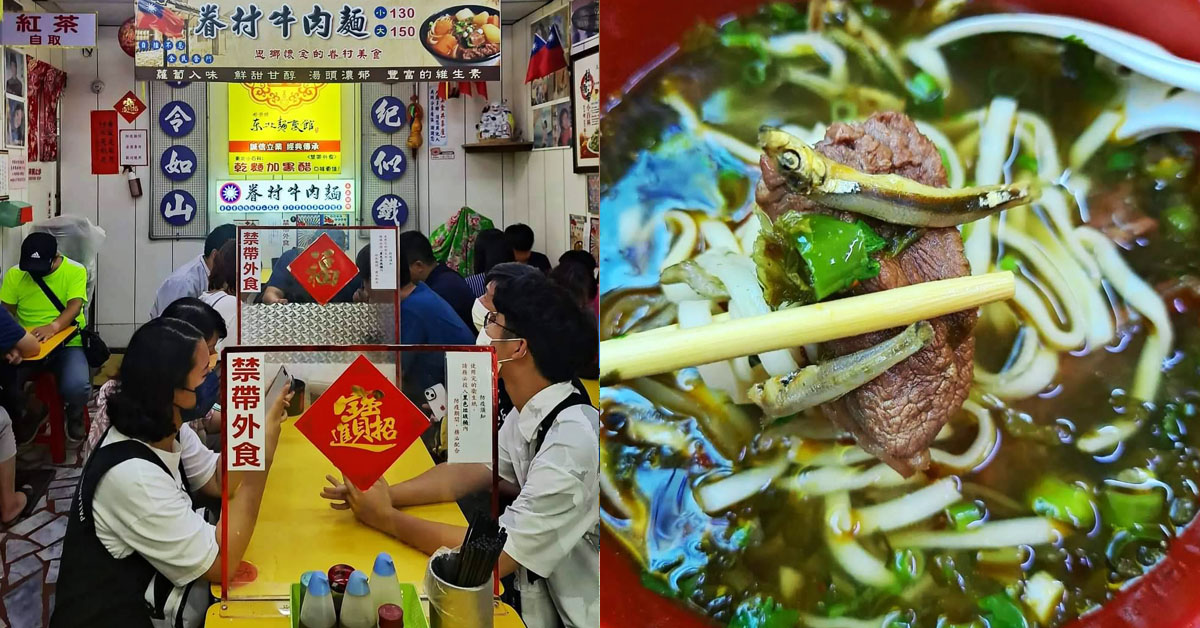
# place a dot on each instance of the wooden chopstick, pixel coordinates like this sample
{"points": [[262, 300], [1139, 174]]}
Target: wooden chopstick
{"points": [[668, 349]]}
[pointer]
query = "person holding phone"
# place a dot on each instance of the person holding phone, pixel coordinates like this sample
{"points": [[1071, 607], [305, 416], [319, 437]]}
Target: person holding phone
{"points": [[549, 462], [136, 552]]}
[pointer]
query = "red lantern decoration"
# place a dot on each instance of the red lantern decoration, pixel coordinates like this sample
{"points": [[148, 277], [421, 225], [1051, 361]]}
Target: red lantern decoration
{"points": [[128, 37]]}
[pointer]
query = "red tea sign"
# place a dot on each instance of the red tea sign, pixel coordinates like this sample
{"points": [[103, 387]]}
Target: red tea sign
{"points": [[323, 269], [362, 423]]}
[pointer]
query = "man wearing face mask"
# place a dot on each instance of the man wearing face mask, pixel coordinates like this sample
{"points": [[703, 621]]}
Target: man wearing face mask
{"points": [[549, 460], [24, 292]]}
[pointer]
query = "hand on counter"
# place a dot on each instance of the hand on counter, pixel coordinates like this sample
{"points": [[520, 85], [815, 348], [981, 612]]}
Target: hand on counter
{"points": [[45, 332], [372, 507]]}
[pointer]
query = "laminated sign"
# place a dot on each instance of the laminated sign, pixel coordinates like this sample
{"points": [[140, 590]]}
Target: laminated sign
{"points": [[285, 129], [244, 409], [469, 406], [318, 41], [362, 423], [323, 269]]}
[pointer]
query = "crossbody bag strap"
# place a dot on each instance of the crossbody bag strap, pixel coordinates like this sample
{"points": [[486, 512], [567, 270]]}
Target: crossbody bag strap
{"points": [[49, 293]]}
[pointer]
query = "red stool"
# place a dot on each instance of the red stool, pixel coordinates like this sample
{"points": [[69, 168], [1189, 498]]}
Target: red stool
{"points": [[54, 434]]}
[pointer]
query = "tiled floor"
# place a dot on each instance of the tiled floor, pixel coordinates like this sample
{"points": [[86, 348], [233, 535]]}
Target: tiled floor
{"points": [[31, 549]]}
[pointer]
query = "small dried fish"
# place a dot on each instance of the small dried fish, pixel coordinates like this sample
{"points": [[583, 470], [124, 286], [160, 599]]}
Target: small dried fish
{"points": [[890, 198], [821, 383]]}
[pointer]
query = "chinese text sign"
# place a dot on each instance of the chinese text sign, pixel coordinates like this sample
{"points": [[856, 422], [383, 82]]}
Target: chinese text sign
{"points": [[469, 406], [64, 30], [245, 413], [285, 129], [345, 41], [250, 266]]}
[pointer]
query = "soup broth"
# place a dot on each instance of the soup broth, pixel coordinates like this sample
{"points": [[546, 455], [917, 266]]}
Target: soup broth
{"points": [[680, 156]]}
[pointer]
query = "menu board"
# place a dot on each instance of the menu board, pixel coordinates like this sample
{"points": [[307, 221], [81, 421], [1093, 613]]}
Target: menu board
{"points": [[322, 41], [585, 99]]}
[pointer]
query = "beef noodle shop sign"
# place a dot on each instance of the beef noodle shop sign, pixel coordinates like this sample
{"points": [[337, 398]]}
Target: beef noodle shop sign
{"points": [[350, 41], [60, 30]]}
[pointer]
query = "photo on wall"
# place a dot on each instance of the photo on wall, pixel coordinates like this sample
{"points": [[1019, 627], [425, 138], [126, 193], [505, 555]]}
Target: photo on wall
{"points": [[579, 232], [14, 73], [585, 25], [561, 124], [15, 123], [543, 131], [594, 236]]}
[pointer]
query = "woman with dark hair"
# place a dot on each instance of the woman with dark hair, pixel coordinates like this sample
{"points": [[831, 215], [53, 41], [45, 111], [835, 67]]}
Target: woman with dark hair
{"points": [[491, 248], [222, 289], [576, 272], [204, 419], [135, 549]]}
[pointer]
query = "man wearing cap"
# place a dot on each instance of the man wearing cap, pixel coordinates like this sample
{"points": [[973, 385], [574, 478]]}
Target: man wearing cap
{"points": [[23, 295]]}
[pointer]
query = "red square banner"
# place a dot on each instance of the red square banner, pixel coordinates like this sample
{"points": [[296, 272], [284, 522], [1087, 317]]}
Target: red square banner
{"points": [[363, 423], [323, 269]]}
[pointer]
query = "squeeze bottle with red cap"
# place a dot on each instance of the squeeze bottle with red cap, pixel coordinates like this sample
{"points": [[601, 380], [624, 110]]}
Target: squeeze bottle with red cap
{"points": [[385, 588]]}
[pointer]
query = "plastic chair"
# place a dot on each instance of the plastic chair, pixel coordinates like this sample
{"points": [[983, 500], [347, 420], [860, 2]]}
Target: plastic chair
{"points": [[54, 434]]}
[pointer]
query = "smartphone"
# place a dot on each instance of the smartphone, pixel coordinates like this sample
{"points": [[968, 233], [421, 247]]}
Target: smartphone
{"points": [[435, 396], [297, 407], [278, 384]]}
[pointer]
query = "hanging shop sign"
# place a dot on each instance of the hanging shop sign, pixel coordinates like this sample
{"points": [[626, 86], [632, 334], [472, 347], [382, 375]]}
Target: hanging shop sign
{"points": [[388, 162], [104, 143], [287, 196], [177, 118], [177, 207], [362, 423], [59, 30], [349, 41], [130, 106], [178, 163], [388, 114], [135, 147], [285, 128], [389, 210], [469, 403]]}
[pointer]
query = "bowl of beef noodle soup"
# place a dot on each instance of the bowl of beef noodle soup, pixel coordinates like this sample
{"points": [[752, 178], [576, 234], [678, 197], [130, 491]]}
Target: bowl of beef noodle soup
{"points": [[1034, 462]]}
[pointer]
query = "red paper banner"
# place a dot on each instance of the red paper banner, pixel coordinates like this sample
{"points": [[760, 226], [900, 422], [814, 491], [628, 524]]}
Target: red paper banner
{"points": [[323, 269], [362, 423], [105, 155]]}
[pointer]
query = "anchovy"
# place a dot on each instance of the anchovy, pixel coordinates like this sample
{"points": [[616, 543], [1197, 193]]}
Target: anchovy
{"points": [[887, 197], [816, 384]]}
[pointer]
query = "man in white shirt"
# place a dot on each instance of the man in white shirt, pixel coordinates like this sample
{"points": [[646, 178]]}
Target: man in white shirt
{"points": [[191, 279], [549, 460]]}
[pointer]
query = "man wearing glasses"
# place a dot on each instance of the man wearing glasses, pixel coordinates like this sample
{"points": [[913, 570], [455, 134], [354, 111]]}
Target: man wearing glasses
{"points": [[549, 462]]}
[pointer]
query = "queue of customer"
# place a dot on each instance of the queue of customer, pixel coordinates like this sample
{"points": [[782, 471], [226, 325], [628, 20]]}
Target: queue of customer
{"points": [[142, 542]]}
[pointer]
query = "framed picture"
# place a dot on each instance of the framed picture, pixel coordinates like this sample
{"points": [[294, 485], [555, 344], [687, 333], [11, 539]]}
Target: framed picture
{"points": [[585, 25], [14, 73], [15, 123], [585, 102], [4, 166]]}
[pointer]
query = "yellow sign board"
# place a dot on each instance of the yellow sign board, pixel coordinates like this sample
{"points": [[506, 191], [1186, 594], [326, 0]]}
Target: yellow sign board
{"points": [[285, 128]]}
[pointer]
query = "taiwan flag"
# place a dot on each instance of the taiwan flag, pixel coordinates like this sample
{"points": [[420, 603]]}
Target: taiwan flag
{"points": [[156, 17], [546, 57]]}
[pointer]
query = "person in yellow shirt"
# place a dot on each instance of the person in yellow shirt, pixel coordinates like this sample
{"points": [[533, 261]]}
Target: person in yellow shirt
{"points": [[24, 294]]}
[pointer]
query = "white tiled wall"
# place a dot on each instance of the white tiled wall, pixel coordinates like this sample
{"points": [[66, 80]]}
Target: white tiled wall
{"points": [[538, 188]]}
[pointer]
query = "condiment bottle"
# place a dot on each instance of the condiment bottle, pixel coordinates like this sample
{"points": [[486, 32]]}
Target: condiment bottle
{"points": [[391, 616], [385, 588], [317, 609], [304, 580], [357, 609]]}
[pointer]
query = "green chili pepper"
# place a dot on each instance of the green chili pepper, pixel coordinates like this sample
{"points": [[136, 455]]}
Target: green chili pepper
{"points": [[1002, 612], [1009, 262], [908, 565], [1027, 162], [925, 96], [1121, 161], [1054, 498], [1133, 499], [837, 254], [964, 514]]}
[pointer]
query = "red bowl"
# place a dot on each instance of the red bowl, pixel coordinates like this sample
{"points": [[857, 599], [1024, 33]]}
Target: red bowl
{"points": [[634, 38]]}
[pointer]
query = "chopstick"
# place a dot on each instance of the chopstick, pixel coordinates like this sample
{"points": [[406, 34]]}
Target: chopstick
{"points": [[669, 349]]}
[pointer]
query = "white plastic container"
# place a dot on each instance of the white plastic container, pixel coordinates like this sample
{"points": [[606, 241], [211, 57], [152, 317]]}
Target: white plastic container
{"points": [[385, 588], [357, 609], [317, 609]]}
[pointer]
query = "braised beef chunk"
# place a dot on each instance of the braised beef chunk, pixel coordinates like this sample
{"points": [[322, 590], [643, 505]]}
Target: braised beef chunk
{"points": [[1114, 211], [897, 415]]}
